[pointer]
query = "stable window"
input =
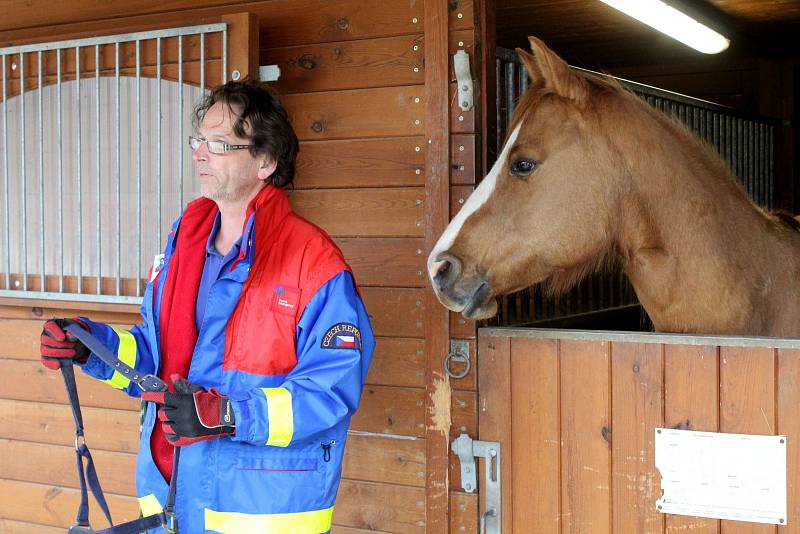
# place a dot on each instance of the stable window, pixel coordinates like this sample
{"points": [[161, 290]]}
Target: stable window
{"points": [[94, 159]]}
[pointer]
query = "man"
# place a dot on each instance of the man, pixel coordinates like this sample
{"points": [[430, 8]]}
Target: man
{"points": [[254, 316]]}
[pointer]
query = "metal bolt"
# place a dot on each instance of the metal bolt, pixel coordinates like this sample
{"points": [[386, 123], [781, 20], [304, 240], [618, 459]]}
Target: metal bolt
{"points": [[416, 100], [419, 223], [418, 171], [460, 15], [419, 273], [416, 122], [465, 104], [416, 149], [460, 200], [235, 75], [414, 20], [461, 43], [416, 69], [460, 167], [419, 202], [461, 118], [492, 453], [466, 469], [419, 251], [13, 65], [416, 47], [461, 148]]}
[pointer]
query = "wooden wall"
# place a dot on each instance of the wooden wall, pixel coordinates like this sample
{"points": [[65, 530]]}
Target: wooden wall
{"points": [[353, 79], [576, 419]]}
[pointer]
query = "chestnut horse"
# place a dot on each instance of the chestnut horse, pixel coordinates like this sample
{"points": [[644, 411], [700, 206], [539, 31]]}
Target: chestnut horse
{"points": [[590, 175]]}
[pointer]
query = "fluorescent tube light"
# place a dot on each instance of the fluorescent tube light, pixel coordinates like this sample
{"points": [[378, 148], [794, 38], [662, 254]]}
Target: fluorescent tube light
{"points": [[677, 25]]}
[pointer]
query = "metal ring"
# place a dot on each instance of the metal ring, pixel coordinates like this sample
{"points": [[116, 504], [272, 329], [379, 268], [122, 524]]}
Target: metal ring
{"points": [[459, 357]]}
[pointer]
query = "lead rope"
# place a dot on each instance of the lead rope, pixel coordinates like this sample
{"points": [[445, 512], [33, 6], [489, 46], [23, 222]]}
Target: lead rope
{"points": [[165, 519]]}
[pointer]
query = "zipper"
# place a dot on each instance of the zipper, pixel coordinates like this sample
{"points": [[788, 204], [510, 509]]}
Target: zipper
{"points": [[326, 450]]}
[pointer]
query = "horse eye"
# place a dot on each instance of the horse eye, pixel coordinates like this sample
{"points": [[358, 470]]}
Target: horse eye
{"points": [[523, 167]]}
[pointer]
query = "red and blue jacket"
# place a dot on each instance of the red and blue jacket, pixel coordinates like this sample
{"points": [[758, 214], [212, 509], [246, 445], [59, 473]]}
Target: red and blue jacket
{"points": [[286, 336]]}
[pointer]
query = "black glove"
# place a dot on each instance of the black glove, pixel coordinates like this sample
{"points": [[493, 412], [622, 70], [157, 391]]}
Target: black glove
{"points": [[192, 414], [57, 344]]}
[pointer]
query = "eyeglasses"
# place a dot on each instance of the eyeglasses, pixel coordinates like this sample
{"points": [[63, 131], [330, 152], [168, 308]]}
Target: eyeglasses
{"points": [[215, 147]]}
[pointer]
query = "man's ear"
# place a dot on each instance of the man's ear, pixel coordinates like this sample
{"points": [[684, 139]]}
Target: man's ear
{"points": [[267, 168]]}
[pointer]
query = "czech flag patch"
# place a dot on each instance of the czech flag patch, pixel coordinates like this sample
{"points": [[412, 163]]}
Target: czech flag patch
{"points": [[342, 336]]}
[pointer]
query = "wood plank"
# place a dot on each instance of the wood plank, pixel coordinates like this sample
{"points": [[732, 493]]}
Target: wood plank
{"points": [[368, 457], [387, 162], [243, 54], [461, 122], [44, 309], [462, 328], [54, 465], [462, 14], [348, 65], [365, 505], [55, 506], [391, 410], [494, 417], [373, 506], [281, 22], [396, 212], [586, 435], [393, 261], [747, 405], [691, 402], [535, 435], [388, 410], [462, 159], [789, 425], [395, 312], [106, 429], [383, 459], [30, 381], [463, 512], [398, 362], [464, 412], [379, 112], [636, 411], [458, 197]]}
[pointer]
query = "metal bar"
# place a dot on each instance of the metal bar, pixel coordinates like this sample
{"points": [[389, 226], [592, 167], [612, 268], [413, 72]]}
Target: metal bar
{"points": [[117, 186], [42, 285], [225, 55], [6, 189], [112, 39], [60, 172], [158, 135], [510, 90], [78, 165], [23, 169], [499, 131], [139, 167], [99, 203], [771, 166], [202, 66], [180, 122]]}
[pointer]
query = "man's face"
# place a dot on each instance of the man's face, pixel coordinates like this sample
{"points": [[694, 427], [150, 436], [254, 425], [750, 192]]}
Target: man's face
{"points": [[231, 177]]}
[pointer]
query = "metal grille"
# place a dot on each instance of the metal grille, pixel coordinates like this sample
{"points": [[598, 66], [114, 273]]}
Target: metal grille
{"points": [[745, 143], [93, 157]]}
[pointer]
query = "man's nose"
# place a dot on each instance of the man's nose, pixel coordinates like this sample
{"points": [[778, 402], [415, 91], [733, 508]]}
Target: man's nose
{"points": [[201, 154]]}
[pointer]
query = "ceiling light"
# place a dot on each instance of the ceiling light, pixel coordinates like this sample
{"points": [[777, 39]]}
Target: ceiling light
{"points": [[677, 25]]}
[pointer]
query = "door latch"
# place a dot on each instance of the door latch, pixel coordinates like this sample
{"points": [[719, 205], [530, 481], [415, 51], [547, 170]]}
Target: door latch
{"points": [[467, 450]]}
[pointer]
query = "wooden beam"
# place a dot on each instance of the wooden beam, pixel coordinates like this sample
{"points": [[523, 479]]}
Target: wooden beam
{"points": [[242, 44], [437, 326]]}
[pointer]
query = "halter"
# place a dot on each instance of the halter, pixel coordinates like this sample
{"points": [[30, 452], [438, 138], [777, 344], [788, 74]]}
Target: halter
{"points": [[86, 472]]}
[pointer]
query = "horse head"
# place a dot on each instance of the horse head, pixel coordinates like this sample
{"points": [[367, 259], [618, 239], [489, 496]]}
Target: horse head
{"points": [[544, 211]]}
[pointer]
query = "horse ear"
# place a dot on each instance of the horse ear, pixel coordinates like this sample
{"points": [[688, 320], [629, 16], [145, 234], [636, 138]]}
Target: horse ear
{"points": [[545, 67]]}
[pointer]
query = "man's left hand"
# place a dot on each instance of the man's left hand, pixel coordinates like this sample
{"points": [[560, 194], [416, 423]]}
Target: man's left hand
{"points": [[192, 414]]}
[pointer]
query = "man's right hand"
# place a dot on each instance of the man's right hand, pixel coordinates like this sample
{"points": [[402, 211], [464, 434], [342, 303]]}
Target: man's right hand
{"points": [[57, 344]]}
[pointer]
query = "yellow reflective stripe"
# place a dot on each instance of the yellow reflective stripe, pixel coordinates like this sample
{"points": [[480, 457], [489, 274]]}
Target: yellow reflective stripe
{"points": [[149, 505], [127, 354], [314, 522], [281, 419]]}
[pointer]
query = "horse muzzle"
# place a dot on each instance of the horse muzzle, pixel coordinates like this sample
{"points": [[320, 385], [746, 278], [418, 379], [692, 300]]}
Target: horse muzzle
{"points": [[470, 295]]}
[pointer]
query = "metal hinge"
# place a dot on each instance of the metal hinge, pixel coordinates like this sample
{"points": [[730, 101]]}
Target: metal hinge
{"points": [[467, 450], [464, 79]]}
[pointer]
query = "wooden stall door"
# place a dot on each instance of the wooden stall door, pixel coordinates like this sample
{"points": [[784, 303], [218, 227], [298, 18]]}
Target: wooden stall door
{"points": [[576, 417]]}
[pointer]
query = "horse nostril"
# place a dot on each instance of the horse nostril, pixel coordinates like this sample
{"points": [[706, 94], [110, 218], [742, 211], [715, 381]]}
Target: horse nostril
{"points": [[447, 269]]}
